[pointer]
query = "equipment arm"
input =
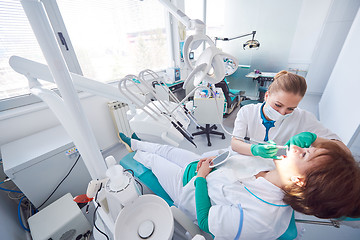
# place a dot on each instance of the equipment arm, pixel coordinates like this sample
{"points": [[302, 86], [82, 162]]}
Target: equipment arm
{"points": [[196, 24]]}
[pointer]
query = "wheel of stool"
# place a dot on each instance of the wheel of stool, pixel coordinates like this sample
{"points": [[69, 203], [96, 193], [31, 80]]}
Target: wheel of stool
{"points": [[209, 144], [223, 137]]}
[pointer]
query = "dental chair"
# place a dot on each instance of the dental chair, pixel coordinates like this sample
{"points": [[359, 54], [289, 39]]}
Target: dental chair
{"points": [[149, 179]]}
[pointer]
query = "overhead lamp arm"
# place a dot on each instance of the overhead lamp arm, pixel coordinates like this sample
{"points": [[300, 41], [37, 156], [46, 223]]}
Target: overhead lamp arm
{"points": [[229, 39]]}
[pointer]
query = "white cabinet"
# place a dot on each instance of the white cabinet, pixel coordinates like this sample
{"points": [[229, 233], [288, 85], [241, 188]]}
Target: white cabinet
{"points": [[39, 162], [207, 109]]}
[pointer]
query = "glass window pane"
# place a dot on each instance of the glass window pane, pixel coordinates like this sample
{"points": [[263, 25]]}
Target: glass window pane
{"points": [[16, 38], [114, 38], [214, 17]]}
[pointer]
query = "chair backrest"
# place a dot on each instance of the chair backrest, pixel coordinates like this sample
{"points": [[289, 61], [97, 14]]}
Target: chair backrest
{"points": [[225, 88]]}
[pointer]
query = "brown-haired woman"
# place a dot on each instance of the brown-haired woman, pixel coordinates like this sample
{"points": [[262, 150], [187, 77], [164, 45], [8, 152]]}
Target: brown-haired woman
{"points": [[277, 119], [329, 184]]}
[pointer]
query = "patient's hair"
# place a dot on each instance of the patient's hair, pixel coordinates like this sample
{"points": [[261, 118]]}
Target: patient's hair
{"points": [[332, 186], [288, 82]]}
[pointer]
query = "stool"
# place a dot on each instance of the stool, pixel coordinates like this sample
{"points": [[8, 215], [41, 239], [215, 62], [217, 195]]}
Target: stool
{"points": [[209, 130]]}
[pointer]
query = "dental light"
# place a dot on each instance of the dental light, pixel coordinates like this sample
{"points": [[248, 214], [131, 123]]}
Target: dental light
{"points": [[213, 64], [248, 44]]}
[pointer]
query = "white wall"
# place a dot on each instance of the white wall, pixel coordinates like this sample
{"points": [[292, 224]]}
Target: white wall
{"points": [[334, 32], [339, 106], [303, 34], [275, 22], [308, 31]]}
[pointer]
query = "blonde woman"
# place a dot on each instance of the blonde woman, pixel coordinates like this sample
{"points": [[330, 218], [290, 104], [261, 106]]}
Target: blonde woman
{"points": [[278, 119]]}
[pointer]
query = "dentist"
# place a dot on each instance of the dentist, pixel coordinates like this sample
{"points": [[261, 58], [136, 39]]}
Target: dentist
{"points": [[278, 119]]}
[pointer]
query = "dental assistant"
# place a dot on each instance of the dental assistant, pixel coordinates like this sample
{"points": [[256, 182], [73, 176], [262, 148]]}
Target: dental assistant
{"points": [[277, 119]]}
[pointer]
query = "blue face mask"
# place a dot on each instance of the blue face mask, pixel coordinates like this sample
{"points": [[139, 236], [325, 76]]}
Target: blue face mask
{"points": [[273, 114]]}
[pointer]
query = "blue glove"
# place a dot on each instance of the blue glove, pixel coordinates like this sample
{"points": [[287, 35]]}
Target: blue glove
{"points": [[303, 140], [265, 151]]}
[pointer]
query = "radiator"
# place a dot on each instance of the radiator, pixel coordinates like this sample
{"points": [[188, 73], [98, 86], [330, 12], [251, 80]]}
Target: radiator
{"points": [[118, 113]]}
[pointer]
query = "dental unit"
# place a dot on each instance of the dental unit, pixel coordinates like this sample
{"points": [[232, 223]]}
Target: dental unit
{"points": [[68, 110]]}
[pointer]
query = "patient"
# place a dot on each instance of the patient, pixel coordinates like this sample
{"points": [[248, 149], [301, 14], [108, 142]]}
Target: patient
{"points": [[323, 180]]}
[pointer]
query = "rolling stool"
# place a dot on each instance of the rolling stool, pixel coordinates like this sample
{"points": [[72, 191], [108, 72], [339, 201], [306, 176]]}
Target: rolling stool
{"points": [[209, 130]]}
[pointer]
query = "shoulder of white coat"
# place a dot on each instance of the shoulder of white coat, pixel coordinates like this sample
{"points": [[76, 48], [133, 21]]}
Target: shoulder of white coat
{"points": [[250, 108], [303, 111]]}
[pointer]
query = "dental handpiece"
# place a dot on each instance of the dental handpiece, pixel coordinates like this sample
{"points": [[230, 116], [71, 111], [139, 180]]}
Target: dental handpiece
{"points": [[282, 150], [251, 141]]}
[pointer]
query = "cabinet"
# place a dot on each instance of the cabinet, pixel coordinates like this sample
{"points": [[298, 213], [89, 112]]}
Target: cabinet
{"points": [[207, 109], [37, 164]]}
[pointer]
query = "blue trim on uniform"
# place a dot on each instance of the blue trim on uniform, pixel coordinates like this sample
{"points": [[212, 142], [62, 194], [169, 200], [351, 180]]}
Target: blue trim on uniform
{"points": [[273, 204], [267, 123], [241, 222]]}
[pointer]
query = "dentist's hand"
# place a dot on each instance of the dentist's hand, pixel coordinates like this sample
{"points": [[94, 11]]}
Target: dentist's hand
{"points": [[303, 140], [265, 151]]}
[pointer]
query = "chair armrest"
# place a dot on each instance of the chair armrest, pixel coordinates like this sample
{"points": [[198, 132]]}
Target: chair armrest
{"points": [[185, 222]]}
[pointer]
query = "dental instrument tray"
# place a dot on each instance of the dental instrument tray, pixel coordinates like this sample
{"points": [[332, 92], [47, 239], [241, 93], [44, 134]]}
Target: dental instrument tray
{"points": [[220, 159]]}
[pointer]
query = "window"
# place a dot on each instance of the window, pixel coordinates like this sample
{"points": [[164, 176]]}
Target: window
{"points": [[214, 21], [111, 39], [16, 38], [115, 38], [214, 15]]}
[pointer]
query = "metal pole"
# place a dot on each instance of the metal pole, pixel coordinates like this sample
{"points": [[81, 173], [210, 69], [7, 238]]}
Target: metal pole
{"points": [[83, 138]]}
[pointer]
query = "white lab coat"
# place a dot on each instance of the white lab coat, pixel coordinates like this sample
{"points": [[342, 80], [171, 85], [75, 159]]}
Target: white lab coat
{"points": [[260, 220], [248, 123], [226, 192]]}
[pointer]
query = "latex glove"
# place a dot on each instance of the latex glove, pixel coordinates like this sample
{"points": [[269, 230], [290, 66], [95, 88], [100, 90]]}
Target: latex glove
{"points": [[303, 140], [265, 151]]}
